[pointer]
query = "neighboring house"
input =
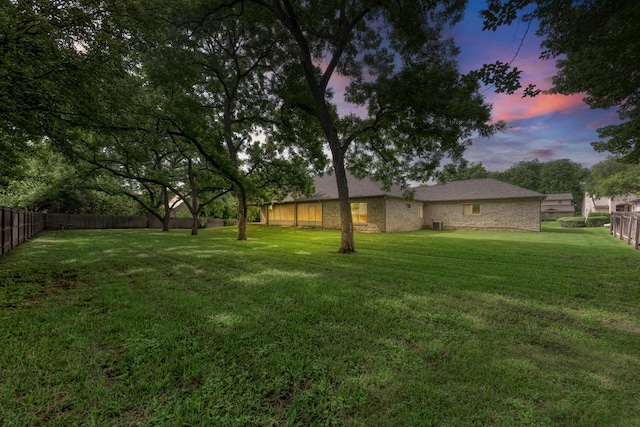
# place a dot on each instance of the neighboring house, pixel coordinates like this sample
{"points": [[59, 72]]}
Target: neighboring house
{"points": [[627, 203], [557, 205], [481, 204]]}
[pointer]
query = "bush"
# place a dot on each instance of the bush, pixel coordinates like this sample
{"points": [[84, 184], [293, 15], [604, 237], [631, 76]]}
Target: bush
{"points": [[572, 222], [598, 219]]}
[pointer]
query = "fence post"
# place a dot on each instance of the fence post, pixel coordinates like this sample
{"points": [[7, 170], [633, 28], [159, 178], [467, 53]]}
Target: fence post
{"points": [[2, 209], [637, 243]]}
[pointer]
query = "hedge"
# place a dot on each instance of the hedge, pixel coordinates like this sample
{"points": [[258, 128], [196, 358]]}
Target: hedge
{"points": [[598, 220], [572, 222]]}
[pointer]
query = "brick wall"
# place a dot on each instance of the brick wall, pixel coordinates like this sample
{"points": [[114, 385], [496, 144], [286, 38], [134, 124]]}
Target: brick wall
{"points": [[507, 215], [403, 215]]}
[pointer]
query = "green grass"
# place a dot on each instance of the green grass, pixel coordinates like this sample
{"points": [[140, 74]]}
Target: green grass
{"points": [[422, 328]]}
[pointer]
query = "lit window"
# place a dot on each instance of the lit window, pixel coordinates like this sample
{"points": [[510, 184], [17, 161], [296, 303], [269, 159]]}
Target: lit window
{"points": [[471, 209], [281, 212], [359, 213]]}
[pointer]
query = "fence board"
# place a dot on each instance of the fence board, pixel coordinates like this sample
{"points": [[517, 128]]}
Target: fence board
{"points": [[626, 226], [18, 226]]}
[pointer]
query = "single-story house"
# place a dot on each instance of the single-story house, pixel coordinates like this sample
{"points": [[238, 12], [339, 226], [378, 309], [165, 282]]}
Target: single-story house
{"points": [[557, 205], [627, 203], [478, 204]]}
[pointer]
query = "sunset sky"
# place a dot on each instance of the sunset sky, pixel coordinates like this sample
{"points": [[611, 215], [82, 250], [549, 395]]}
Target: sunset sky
{"points": [[547, 127]]}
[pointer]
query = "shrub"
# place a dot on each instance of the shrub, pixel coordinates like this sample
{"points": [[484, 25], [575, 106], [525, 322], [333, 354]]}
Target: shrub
{"points": [[598, 219], [572, 222]]}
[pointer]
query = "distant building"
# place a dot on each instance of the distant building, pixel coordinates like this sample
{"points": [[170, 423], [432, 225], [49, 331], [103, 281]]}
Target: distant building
{"points": [[626, 203], [557, 205]]}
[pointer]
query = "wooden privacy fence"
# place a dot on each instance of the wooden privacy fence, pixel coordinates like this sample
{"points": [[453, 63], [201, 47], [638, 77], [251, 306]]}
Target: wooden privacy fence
{"points": [[18, 226], [55, 221], [626, 226], [58, 221]]}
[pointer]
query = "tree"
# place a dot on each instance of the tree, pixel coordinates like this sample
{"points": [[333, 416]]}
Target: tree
{"points": [[49, 182], [464, 171], [214, 68], [52, 55], [613, 177], [35, 64], [564, 176], [596, 45], [556, 176], [413, 106], [525, 174]]}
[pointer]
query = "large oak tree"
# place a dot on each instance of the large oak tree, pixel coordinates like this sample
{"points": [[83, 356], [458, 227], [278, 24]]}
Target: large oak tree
{"points": [[408, 107]]}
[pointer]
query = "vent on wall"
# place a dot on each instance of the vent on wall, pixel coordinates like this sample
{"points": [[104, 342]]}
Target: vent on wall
{"points": [[437, 225]]}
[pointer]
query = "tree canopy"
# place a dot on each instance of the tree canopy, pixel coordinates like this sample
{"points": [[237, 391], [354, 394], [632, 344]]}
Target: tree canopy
{"points": [[612, 177]]}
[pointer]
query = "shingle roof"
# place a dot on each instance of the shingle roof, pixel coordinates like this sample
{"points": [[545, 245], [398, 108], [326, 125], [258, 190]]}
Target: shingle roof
{"points": [[327, 189], [473, 189], [559, 196]]}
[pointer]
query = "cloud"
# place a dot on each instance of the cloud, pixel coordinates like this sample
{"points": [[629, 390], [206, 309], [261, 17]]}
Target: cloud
{"points": [[544, 154], [610, 118], [512, 108]]}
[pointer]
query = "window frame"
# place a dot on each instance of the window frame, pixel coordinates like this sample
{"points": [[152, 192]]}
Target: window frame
{"points": [[356, 217], [474, 209]]}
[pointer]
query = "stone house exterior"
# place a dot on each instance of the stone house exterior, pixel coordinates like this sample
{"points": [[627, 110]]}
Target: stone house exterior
{"points": [[480, 204], [626, 203], [557, 205]]}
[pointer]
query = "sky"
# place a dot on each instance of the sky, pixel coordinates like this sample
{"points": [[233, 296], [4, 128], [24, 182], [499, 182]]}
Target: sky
{"points": [[547, 127]]}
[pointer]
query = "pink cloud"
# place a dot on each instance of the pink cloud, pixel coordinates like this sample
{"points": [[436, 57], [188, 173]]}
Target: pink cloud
{"points": [[513, 107], [609, 119]]}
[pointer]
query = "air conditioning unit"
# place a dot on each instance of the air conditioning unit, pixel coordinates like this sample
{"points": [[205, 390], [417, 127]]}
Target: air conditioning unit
{"points": [[437, 225]]}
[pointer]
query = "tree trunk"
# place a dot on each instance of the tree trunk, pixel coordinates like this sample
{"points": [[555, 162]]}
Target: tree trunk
{"points": [[167, 210], [194, 211], [347, 242], [242, 211]]}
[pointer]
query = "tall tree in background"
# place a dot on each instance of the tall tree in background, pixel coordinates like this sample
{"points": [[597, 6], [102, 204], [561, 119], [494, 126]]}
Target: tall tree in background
{"points": [[612, 177], [409, 106], [564, 176], [596, 45], [452, 172]]}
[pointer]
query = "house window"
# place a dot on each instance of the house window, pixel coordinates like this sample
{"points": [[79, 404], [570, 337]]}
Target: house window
{"points": [[471, 209], [309, 214], [359, 213], [420, 211], [281, 212]]}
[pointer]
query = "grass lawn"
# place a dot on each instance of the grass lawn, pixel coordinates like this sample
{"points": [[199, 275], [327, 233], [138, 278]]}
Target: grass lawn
{"points": [[140, 327]]}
